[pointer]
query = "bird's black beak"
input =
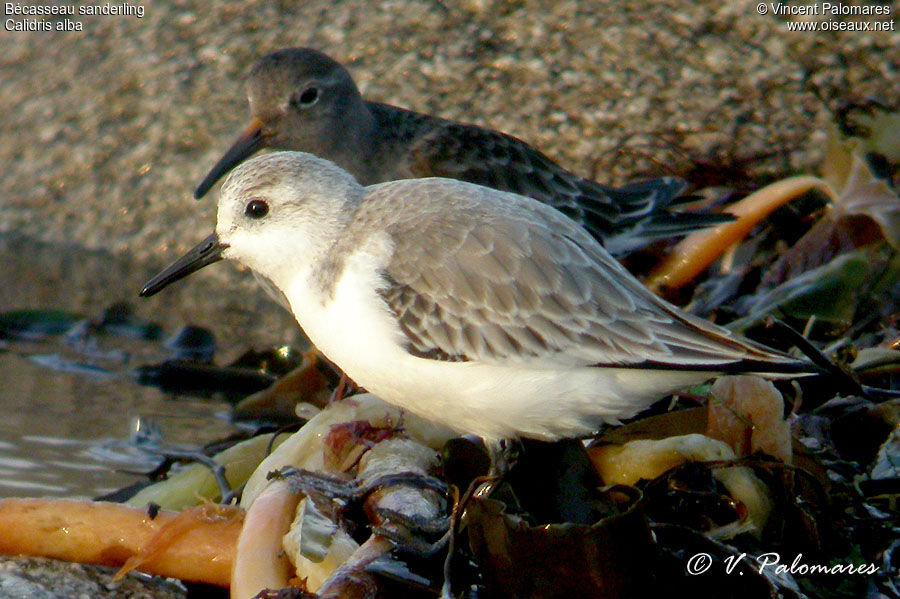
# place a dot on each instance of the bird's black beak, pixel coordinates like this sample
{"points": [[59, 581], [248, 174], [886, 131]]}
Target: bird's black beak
{"points": [[244, 146], [206, 252]]}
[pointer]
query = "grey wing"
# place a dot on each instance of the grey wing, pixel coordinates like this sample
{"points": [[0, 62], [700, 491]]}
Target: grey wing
{"points": [[496, 277], [623, 218]]}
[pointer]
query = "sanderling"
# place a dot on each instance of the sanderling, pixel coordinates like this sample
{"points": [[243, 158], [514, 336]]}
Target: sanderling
{"points": [[486, 311]]}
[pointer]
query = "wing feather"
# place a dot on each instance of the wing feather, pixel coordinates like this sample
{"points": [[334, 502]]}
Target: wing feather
{"points": [[478, 274]]}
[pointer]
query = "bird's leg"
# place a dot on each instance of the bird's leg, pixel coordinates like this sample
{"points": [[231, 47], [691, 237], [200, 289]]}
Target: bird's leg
{"points": [[455, 518], [344, 388], [503, 454]]}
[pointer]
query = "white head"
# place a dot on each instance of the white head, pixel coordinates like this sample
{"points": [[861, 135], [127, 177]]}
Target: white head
{"points": [[275, 211]]}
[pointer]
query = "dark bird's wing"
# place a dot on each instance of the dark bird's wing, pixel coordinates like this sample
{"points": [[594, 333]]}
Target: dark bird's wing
{"points": [[622, 218]]}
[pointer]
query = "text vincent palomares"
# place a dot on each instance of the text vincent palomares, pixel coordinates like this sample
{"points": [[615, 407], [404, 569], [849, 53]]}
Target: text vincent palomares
{"points": [[828, 9]]}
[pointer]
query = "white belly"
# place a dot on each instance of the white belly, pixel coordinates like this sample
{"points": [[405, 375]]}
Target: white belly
{"points": [[356, 331]]}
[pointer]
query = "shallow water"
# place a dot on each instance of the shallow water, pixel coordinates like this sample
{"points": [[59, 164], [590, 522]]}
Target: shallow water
{"points": [[74, 417]]}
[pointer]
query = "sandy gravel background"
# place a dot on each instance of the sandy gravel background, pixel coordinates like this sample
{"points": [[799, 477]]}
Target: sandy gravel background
{"points": [[106, 131]]}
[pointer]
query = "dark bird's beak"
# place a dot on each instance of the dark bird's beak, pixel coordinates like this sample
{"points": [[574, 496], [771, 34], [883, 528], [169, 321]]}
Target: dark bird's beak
{"points": [[206, 252], [244, 146]]}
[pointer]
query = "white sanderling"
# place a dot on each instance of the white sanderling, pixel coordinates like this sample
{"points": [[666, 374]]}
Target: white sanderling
{"points": [[486, 311]]}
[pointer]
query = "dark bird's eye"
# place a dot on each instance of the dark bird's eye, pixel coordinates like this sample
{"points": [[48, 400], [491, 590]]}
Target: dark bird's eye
{"points": [[256, 209], [307, 97]]}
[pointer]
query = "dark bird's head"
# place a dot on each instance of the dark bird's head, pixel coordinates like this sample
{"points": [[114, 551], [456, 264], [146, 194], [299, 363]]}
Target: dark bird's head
{"points": [[300, 99]]}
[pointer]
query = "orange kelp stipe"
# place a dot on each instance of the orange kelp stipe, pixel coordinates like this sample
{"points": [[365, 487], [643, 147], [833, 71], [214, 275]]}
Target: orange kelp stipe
{"points": [[196, 545], [700, 249]]}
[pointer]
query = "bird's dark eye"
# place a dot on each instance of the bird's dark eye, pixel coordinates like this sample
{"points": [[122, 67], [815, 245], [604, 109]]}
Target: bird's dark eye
{"points": [[306, 98], [256, 209]]}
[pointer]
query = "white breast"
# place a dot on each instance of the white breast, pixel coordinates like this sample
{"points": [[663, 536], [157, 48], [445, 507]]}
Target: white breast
{"points": [[356, 330], [353, 327]]}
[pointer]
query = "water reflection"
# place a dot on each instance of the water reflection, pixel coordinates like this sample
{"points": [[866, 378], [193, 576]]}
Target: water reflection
{"points": [[69, 401]]}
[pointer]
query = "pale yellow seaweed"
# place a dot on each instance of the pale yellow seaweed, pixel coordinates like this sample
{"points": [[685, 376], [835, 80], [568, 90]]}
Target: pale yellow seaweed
{"points": [[649, 458], [260, 562], [747, 412], [196, 484]]}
